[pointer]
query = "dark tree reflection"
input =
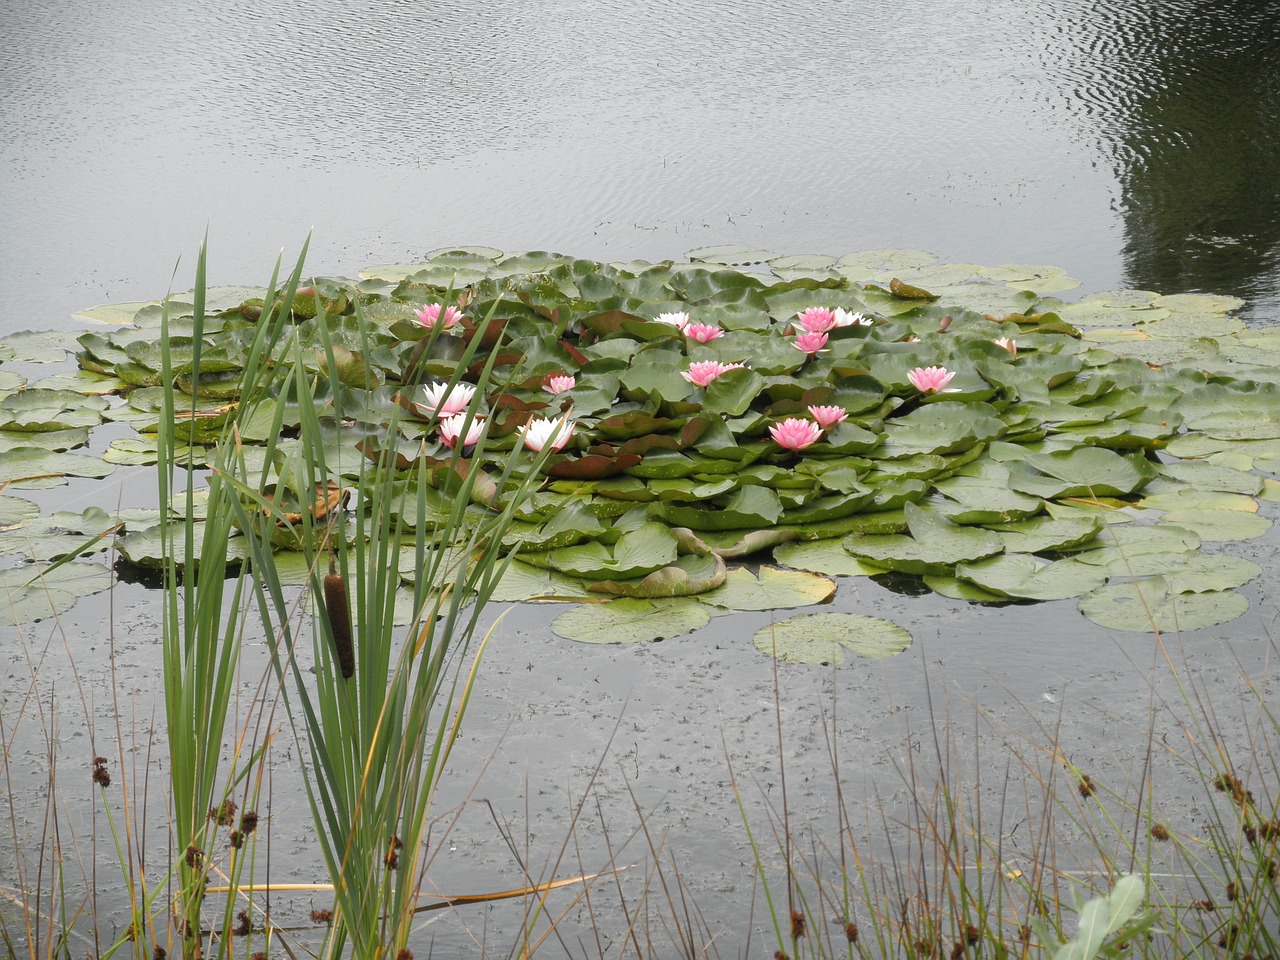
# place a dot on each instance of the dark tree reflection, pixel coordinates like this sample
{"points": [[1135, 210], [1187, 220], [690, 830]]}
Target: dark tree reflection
{"points": [[1186, 97]]}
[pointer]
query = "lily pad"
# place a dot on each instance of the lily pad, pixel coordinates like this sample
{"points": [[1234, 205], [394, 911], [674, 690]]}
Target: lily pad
{"points": [[35, 410], [636, 554], [827, 638], [729, 255], [1026, 577], [823, 556], [935, 546], [773, 589], [30, 593], [1149, 606], [631, 621], [522, 582], [30, 468]]}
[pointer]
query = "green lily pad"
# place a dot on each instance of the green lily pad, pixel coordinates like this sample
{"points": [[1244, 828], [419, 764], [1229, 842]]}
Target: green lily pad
{"points": [[935, 546], [823, 556], [827, 638], [773, 589], [143, 452], [1026, 577], [32, 593], [1148, 606], [631, 621], [1135, 551], [523, 582], [958, 589], [636, 554], [1210, 476], [30, 468], [1219, 525], [35, 410], [1083, 472], [56, 441], [14, 511], [63, 534], [730, 255], [144, 547], [688, 576], [1047, 534], [1201, 572]]}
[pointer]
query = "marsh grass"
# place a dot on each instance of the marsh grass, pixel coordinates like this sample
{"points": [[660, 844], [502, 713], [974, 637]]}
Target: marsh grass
{"points": [[1026, 853]]}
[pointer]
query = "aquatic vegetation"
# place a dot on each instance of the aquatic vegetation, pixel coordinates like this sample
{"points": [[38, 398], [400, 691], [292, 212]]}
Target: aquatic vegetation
{"points": [[931, 379], [968, 426], [795, 433], [541, 433]]}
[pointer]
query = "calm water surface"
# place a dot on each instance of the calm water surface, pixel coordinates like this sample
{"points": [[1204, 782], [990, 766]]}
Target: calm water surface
{"points": [[1133, 144]]}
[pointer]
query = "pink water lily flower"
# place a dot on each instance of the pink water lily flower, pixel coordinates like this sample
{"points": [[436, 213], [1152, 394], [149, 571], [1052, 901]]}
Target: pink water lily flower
{"points": [[702, 332], [451, 429], [817, 319], [828, 417], [1008, 343], [846, 318], [930, 379], [558, 384], [430, 316], [810, 342], [438, 400], [704, 371], [541, 431], [678, 320], [795, 434]]}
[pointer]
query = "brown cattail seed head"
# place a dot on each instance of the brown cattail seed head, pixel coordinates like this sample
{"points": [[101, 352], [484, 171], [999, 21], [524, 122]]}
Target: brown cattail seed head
{"points": [[335, 607]]}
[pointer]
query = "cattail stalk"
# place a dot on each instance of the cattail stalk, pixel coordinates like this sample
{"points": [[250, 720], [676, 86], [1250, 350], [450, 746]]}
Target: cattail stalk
{"points": [[335, 607]]}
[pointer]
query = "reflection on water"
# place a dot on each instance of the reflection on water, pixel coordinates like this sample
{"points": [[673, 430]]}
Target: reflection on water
{"points": [[1184, 98]]}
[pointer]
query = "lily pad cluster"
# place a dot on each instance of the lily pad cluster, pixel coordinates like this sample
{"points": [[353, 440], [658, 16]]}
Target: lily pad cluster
{"points": [[861, 415]]}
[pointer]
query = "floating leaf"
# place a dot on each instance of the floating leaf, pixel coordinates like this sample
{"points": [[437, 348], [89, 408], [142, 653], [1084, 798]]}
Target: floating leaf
{"points": [[15, 510], [522, 582], [1147, 606], [826, 638], [1046, 534], [823, 556], [1087, 471], [730, 255], [35, 410], [30, 468], [686, 577], [32, 593], [935, 546], [1026, 577], [773, 589], [636, 554], [1201, 572], [631, 621]]}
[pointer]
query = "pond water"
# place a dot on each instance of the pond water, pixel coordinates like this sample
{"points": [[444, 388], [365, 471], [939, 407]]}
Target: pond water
{"points": [[1135, 145]]}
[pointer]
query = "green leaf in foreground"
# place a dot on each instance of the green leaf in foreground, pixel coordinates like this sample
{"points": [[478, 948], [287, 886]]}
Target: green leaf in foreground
{"points": [[30, 468], [823, 556], [774, 589], [826, 638], [1145, 606], [631, 621], [29, 593], [935, 546]]}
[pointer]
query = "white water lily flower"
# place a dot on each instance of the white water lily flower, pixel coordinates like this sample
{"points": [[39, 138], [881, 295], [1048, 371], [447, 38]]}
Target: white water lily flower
{"points": [[541, 431], [439, 400], [677, 320]]}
